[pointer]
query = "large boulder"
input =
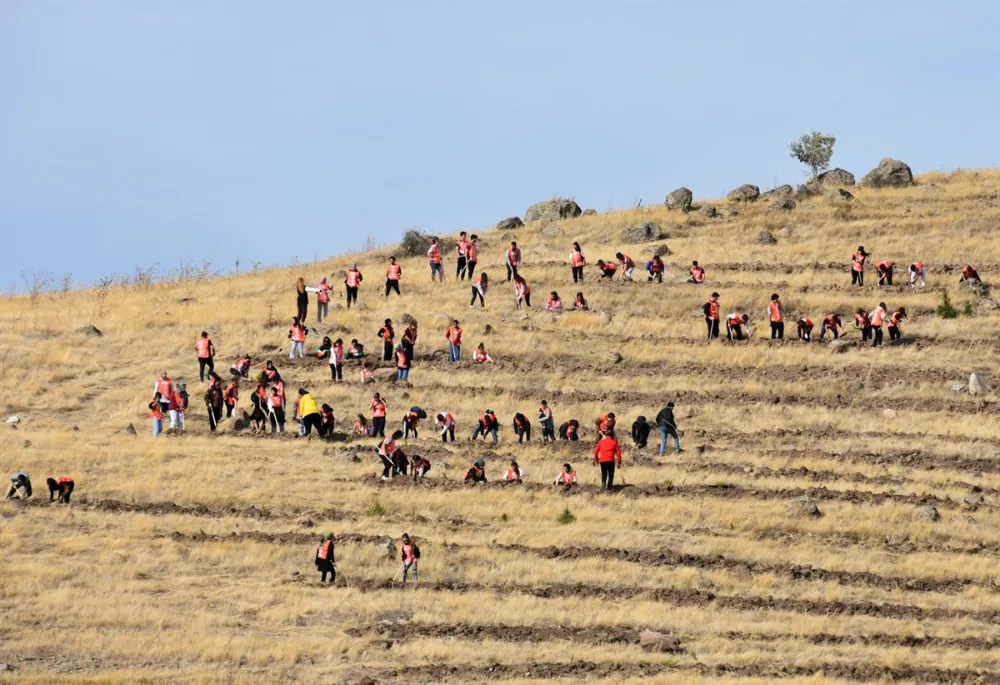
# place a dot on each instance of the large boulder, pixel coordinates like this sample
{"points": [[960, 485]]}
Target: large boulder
{"points": [[778, 193], [510, 223], [642, 233], [680, 199], [553, 210], [890, 173], [785, 204], [838, 195], [709, 210], [834, 178], [414, 244], [745, 193], [977, 288]]}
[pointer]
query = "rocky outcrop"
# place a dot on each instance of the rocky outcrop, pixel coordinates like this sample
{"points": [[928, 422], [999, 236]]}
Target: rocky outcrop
{"points": [[745, 193], [890, 173], [553, 210], [680, 199]]}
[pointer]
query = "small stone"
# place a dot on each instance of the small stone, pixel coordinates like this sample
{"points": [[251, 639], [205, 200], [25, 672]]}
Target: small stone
{"points": [[360, 306], [305, 522], [803, 506], [129, 430], [959, 387], [838, 195], [13, 419], [709, 210], [765, 238], [606, 318], [705, 583], [24, 444], [90, 329], [840, 346], [652, 641], [487, 329], [927, 513], [977, 386]]}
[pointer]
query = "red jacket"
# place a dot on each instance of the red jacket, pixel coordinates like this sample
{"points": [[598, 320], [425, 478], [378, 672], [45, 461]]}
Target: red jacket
{"points": [[607, 450]]}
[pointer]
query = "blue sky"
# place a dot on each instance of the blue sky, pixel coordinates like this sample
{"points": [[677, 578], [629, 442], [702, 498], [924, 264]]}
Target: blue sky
{"points": [[179, 132]]}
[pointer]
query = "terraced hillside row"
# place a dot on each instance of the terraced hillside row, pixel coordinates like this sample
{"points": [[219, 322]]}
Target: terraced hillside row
{"points": [[833, 518]]}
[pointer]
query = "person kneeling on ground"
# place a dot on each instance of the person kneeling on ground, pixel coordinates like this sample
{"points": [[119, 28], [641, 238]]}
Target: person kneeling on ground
{"points": [[325, 562], [569, 430], [606, 453], [476, 473], [419, 466], [18, 482], [566, 477], [63, 485], [640, 432], [360, 426], [580, 303], [522, 428], [480, 355], [513, 474], [327, 420]]}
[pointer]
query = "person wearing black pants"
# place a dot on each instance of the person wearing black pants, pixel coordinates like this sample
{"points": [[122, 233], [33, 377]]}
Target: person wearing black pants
{"points": [[877, 337], [325, 561], [301, 299], [378, 426], [391, 285], [607, 452], [522, 428], [352, 296], [711, 309], [62, 485], [461, 262]]}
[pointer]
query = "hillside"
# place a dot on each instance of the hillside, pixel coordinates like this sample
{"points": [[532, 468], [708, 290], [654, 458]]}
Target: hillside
{"points": [[792, 539]]}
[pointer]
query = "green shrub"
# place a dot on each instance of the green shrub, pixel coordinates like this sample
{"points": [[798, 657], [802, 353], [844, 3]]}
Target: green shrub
{"points": [[566, 517], [946, 310], [374, 509]]}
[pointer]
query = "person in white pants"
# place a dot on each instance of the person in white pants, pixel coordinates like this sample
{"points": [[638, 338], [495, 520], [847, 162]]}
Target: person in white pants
{"points": [[918, 270]]}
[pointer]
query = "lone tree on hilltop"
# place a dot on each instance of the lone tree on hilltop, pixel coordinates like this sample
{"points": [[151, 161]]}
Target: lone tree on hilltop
{"points": [[814, 150]]}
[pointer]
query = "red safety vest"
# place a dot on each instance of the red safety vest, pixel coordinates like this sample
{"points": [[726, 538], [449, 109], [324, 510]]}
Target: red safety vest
{"points": [[353, 278], [713, 310], [576, 258], [435, 254], [877, 317], [401, 360], [298, 333], [471, 251], [165, 387], [393, 271], [514, 255], [324, 292], [378, 408], [775, 312], [324, 550], [567, 478], [202, 347], [454, 335], [479, 356], [859, 261], [698, 274], [512, 474], [806, 324]]}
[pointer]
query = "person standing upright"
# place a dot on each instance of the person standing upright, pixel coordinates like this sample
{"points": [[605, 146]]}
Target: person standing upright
{"points": [[472, 254], [322, 300], [858, 266], [877, 318], [352, 280], [301, 298], [461, 248], [206, 354], [454, 338], [711, 309], [577, 261], [434, 257], [776, 314], [393, 272], [607, 453], [388, 335], [513, 261], [668, 427]]}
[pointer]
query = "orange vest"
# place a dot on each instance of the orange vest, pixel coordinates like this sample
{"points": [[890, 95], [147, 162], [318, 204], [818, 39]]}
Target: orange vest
{"points": [[462, 246], [627, 262], [389, 446], [521, 289], [324, 292], [435, 254], [885, 264], [164, 387], [478, 356], [454, 335], [806, 324], [877, 316], [513, 474], [698, 274], [202, 348], [62, 480], [859, 261], [830, 321], [401, 361], [917, 266], [774, 310], [275, 400], [155, 412], [576, 258], [387, 333], [232, 394], [408, 554], [324, 550], [514, 256], [969, 272], [353, 278], [567, 478], [392, 272], [378, 408], [298, 333], [713, 310], [471, 251], [735, 319], [895, 319]]}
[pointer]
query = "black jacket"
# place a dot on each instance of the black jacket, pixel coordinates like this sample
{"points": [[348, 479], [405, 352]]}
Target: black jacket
{"points": [[640, 431], [666, 418]]}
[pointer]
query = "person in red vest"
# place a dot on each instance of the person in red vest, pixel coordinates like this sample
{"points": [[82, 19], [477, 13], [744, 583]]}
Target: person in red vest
{"points": [[776, 315], [325, 562], [454, 338], [434, 256], [487, 424], [863, 323], [711, 309], [388, 335], [697, 273], [734, 325], [476, 473], [969, 273], [352, 281], [569, 430], [276, 410], [241, 367], [471, 255], [577, 261], [513, 261], [297, 334], [206, 354], [607, 269], [327, 420], [858, 266], [522, 428], [63, 485], [566, 477], [884, 272], [895, 324], [231, 396], [655, 269], [386, 451], [462, 248], [513, 475], [411, 421], [178, 405], [522, 291], [918, 272], [393, 272], [479, 288], [627, 265], [378, 409], [322, 300], [402, 364], [554, 302], [156, 415], [165, 388], [480, 355], [409, 340], [877, 318], [805, 327], [605, 424], [831, 322], [410, 555], [446, 422], [606, 453], [270, 373], [419, 466]]}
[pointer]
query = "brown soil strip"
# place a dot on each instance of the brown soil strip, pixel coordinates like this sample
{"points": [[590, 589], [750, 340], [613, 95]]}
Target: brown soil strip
{"points": [[628, 635], [859, 672], [683, 597], [916, 460]]}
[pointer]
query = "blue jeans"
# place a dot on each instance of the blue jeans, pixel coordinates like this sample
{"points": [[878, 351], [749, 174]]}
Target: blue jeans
{"points": [[823, 329], [664, 432], [437, 269], [402, 374], [454, 352], [479, 431], [157, 427]]}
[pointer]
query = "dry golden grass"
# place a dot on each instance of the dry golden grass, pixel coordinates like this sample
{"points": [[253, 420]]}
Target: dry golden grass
{"points": [[119, 587]]}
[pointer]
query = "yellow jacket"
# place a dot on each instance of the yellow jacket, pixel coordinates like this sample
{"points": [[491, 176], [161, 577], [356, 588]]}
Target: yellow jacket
{"points": [[307, 405]]}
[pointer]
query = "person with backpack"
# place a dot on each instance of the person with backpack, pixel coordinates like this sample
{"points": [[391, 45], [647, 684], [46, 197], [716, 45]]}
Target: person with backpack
{"points": [[410, 556], [668, 426], [325, 562], [640, 432], [206, 354]]}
